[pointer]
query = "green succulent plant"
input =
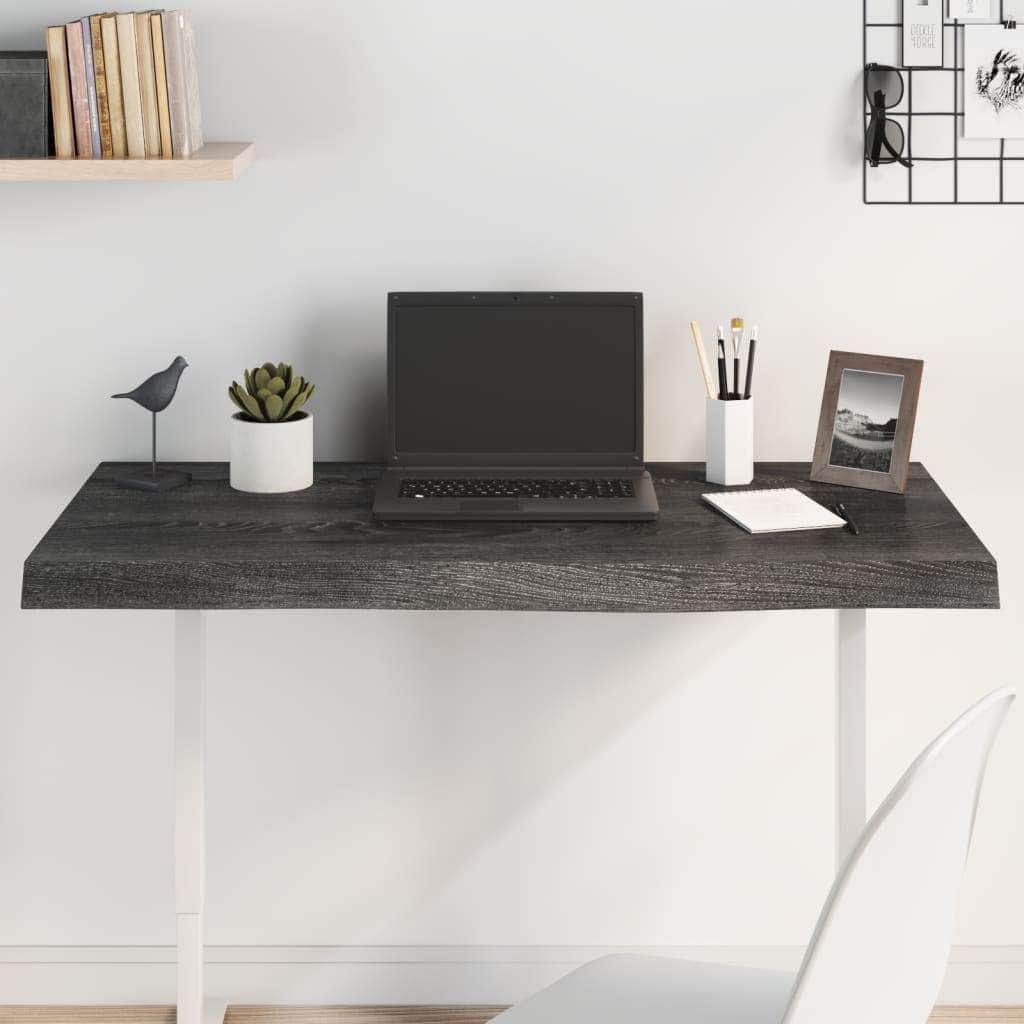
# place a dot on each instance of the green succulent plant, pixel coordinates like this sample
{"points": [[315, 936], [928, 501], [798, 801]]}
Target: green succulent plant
{"points": [[272, 393]]}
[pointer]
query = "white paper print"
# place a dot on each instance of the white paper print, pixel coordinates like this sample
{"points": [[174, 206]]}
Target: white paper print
{"points": [[922, 33], [971, 10], [993, 82]]}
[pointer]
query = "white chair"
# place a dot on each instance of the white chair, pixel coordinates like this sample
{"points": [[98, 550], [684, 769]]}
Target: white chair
{"points": [[878, 953]]}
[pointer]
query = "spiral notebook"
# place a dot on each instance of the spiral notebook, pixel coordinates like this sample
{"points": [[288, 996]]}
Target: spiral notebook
{"points": [[775, 511]]}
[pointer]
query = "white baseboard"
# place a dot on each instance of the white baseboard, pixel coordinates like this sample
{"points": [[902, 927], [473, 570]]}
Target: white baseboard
{"points": [[977, 975]]}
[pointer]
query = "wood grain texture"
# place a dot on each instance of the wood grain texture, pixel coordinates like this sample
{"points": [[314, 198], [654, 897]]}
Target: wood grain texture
{"points": [[216, 161], [209, 547], [978, 1014], [362, 1014], [254, 1014], [376, 1014]]}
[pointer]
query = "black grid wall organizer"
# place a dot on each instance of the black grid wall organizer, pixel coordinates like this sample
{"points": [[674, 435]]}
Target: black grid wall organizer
{"points": [[947, 169]]}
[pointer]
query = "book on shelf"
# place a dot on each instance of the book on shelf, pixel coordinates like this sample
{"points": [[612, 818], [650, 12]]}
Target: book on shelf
{"points": [[147, 84], [160, 67], [195, 116], [60, 93], [112, 57], [182, 94], [79, 90], [90, 88], [131, 91], [125, 86], [100, 74]]}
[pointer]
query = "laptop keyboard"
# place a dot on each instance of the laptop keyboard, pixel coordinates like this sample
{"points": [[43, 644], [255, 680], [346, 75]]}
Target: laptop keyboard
{"points": [[559, 489]]}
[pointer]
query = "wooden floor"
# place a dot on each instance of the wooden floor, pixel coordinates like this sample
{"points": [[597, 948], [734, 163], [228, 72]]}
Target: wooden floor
{"points": [[376, 1014], [254, 1014]]}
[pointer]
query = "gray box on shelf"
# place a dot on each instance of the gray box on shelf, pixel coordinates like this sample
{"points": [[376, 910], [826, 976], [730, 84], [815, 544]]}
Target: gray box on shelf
{"points": [[24, 105]]}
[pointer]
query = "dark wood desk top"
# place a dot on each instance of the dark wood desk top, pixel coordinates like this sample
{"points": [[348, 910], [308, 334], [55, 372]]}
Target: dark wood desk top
{"points": [[207, 546]]}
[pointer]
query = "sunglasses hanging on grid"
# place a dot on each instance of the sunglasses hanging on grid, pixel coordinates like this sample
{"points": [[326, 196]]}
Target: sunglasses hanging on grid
{"points": [[943, 103], [885, 139]]}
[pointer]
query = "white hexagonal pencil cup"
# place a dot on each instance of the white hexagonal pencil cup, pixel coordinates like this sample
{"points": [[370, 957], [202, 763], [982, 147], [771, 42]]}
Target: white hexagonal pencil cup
{"points": [[729, 442]]}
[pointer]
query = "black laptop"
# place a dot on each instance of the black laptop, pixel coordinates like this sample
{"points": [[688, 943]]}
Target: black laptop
{"points": [[520, 406]]}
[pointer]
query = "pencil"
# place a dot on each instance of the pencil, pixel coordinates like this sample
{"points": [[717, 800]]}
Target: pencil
{"points": [[702, 358]]}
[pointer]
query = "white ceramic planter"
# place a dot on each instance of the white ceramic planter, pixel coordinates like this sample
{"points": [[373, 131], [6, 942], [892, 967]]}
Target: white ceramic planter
{"points": [[272, 458], [730, 442]]}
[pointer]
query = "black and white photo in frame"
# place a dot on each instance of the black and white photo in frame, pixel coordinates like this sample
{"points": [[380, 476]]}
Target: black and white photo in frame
{"points": [[866, 425], [993, 82]]}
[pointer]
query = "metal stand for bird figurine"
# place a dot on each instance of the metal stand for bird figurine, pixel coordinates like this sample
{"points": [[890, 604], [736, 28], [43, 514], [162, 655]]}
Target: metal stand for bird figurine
{"points": [[155, 394]]}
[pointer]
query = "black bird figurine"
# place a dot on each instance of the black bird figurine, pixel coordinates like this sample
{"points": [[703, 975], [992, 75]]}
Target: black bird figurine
{"points": [[155, 394]]}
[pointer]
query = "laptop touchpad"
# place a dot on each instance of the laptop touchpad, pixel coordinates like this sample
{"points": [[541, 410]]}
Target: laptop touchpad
{"points": [[490, 505]]}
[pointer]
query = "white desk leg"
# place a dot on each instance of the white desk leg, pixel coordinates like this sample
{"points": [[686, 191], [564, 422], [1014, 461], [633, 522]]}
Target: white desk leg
{"points": [[851, 729], [189, 841]]}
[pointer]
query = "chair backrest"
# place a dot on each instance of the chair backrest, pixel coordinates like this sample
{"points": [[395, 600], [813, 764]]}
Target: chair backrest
{"points": [[879, 951]]}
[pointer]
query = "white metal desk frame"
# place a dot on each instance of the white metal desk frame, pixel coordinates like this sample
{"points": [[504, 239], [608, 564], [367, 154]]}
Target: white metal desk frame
{"points": [[189, 823]]}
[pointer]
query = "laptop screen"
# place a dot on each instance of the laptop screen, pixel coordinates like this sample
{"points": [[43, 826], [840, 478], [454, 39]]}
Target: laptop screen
{"points": [[526, 378]]}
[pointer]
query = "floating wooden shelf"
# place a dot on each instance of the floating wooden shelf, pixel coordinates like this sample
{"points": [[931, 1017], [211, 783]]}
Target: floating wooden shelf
{"points": [[216, 161]]}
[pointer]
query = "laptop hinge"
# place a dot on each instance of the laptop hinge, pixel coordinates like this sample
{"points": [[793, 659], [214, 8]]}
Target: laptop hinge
{"points": [[511, 471]]}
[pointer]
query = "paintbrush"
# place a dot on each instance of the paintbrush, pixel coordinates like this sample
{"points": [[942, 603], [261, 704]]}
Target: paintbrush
{"points": [[737, 344], [751, 350], [723, 376]]}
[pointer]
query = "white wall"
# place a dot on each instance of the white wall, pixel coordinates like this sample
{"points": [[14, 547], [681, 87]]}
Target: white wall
{"points": [[478, 780]]}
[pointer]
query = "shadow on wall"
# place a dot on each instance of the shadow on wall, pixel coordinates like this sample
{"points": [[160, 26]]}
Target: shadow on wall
{"points": [[851, 129], [432, 737], [324, 41], [344, 354]]}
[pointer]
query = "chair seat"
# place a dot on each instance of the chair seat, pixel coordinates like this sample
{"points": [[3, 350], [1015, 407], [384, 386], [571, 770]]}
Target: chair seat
{"points": [[657, 990]]}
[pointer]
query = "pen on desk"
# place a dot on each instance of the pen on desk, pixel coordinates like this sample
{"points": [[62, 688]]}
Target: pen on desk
{"points": [[842, 513], [751, 349], [723, 377], [702, 358]]}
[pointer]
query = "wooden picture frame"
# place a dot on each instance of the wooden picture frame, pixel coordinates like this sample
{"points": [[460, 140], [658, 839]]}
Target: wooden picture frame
{"points": [[866, 426]]}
